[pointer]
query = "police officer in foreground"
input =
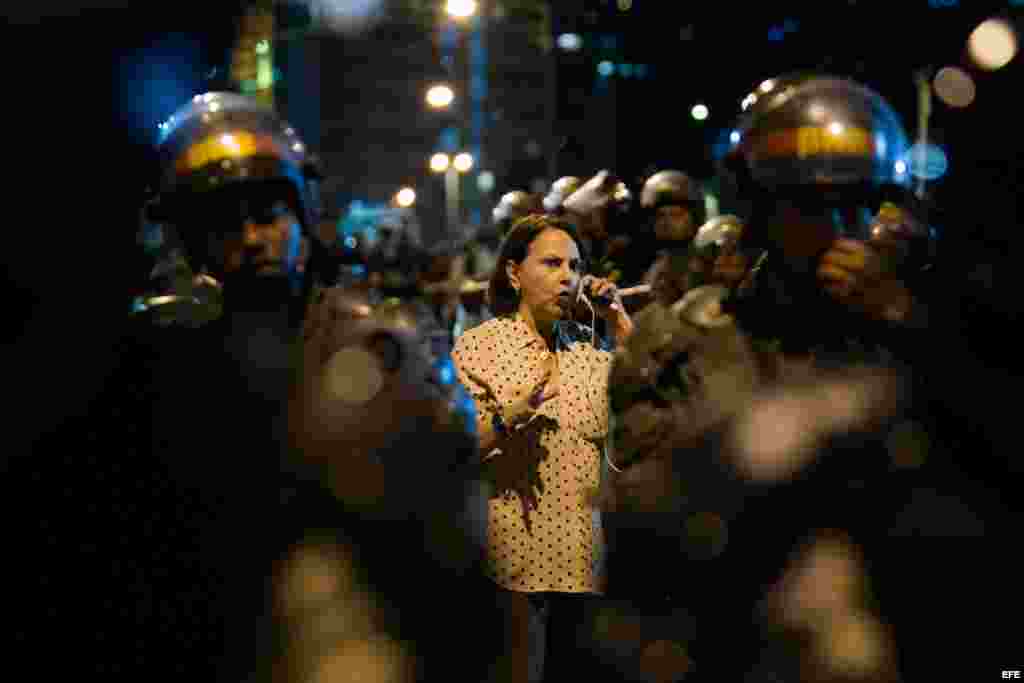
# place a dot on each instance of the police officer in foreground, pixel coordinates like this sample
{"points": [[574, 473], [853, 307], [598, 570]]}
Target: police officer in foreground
{"points": [[761, 410], [231, 412], [198, 404]]}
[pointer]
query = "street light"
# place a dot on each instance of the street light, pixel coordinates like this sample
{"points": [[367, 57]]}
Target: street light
{"points": [[441, 163], [406, 197], [440, 96], [461, 9], [463, 162]]}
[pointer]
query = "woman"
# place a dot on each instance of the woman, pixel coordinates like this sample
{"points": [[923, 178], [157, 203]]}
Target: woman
{"points": [[540, 383]]}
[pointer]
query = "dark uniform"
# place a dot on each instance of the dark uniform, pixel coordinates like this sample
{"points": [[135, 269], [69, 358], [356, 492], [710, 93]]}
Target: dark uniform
{"points": [[241, 482], [712, 394], [395, 262], [674, 205]]}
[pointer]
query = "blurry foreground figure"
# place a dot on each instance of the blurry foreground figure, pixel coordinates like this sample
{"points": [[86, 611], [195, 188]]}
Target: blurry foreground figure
{"points": [[379, 411], [291, 423], [762, 397], [823, 603]]}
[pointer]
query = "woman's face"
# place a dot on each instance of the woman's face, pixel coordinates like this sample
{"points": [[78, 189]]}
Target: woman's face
{"points": [[547, 279]]}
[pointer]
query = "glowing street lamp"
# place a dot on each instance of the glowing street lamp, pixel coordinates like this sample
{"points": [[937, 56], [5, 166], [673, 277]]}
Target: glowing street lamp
{"points": [[442, 163], [440, 96], [461, 9], [406, 197], [463, 162], [439, 162]]}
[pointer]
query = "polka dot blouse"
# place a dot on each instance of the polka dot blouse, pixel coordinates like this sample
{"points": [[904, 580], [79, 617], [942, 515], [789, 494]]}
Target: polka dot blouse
{"points": [[559, 545]]}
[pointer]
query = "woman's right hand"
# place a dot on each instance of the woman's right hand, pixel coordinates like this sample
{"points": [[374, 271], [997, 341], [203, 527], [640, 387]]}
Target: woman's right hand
{"points": [[528, 398], [528, 401]]}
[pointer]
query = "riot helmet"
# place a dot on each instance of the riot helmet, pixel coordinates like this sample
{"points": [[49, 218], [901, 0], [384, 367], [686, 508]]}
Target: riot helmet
{"points": [[821, 131], [724, 233], [821, 149], [512, 206], [560, 190], [674, 203], [226, 160], [669, 187]]}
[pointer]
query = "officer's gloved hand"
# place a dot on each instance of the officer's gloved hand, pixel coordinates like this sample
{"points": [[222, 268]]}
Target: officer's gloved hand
{"points": [[857, 275]]}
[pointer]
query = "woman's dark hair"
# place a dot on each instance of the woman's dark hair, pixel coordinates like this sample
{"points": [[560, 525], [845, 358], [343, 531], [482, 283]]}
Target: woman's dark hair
{"points": [[501, 296]]}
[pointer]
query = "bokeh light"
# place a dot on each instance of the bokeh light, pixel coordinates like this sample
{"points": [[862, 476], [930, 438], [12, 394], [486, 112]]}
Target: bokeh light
{"points": [[440, 96], [461, 9], [485, 181], [439, 162], [348, 17], [954, 86], [352, 375], [406, 197], [992, 44], [570, 42], [463, 162]]}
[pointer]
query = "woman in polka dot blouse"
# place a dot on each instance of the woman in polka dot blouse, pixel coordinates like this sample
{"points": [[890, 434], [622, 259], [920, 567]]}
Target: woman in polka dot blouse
{"points": [[540, 382]]}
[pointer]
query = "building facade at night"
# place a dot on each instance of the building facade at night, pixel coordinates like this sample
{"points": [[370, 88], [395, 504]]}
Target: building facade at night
{"points": [[357, 95]]}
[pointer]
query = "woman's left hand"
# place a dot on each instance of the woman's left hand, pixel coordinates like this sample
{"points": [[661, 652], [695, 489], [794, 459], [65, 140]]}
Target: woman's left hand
{"points": [[604, 296]]}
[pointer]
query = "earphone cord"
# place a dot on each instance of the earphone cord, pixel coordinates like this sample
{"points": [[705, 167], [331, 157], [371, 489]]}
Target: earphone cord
{"points": [[580, 296], [590, 402], [586, 391]]}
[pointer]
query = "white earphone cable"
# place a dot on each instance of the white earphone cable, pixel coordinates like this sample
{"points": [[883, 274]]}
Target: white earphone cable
{"points": [[581, 296]]}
